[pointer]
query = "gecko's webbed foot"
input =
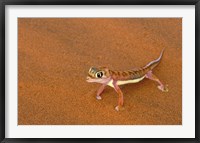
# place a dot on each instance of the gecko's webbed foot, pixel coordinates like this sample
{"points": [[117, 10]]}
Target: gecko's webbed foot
{"points": [[163, 88], [119, 108], [98, 97]]}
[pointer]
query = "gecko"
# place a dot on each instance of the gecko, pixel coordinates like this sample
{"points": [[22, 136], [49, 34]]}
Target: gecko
{"points": [[114, 79]]}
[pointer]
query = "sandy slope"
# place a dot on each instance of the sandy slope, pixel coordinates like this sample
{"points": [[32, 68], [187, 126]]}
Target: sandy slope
{"points": [[56, 54]]}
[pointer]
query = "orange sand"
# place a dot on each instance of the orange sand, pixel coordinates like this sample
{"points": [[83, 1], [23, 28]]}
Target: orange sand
{"points": [[54, 56]]}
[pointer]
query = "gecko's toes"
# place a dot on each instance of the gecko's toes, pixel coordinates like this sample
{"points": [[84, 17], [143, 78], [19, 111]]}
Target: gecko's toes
{"points": [[163, 88], [98, 97], [119, 108]]}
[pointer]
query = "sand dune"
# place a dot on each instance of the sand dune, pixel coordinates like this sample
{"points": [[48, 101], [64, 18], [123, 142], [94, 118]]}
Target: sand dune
{"points": [[54, 56]]}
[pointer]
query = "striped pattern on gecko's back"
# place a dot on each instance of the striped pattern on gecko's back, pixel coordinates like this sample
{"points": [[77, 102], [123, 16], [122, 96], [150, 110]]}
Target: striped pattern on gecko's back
{"points": [[135, 73], [129, 74]]}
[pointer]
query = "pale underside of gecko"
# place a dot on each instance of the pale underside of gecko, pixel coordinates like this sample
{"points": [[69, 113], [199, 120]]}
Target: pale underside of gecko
{"points": [[113, 78]]}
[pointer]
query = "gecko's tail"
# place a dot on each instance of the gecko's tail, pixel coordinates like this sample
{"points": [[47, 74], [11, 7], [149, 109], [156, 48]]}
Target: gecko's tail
{"points": [[154, 63]]}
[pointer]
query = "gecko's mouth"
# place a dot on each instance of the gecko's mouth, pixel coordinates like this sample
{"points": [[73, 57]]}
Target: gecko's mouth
{"points": [[88, 79]]}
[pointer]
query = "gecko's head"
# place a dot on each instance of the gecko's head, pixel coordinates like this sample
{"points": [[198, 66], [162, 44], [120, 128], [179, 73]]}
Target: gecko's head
{"points": [[99, 75]]}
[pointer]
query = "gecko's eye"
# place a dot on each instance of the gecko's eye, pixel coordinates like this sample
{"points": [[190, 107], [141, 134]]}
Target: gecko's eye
{"points": [[99, 74]]}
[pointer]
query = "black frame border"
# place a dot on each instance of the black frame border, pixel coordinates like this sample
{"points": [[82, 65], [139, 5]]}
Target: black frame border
{"points": [[3, 3]]}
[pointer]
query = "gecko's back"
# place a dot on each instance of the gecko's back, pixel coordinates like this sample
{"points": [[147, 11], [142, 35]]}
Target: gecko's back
{"points": [[136, 73]]}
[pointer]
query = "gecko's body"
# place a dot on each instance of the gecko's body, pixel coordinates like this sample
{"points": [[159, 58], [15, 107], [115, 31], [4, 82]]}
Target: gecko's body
{"points": [[122, 82], [113, 79]]}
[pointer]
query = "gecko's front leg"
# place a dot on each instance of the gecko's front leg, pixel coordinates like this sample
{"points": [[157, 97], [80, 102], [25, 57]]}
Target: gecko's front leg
{"points": [[99, 92], [120, 96]]}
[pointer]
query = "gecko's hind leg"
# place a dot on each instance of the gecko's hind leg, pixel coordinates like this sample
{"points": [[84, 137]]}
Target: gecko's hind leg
{"points": [[99, 92], [161, 86]]}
